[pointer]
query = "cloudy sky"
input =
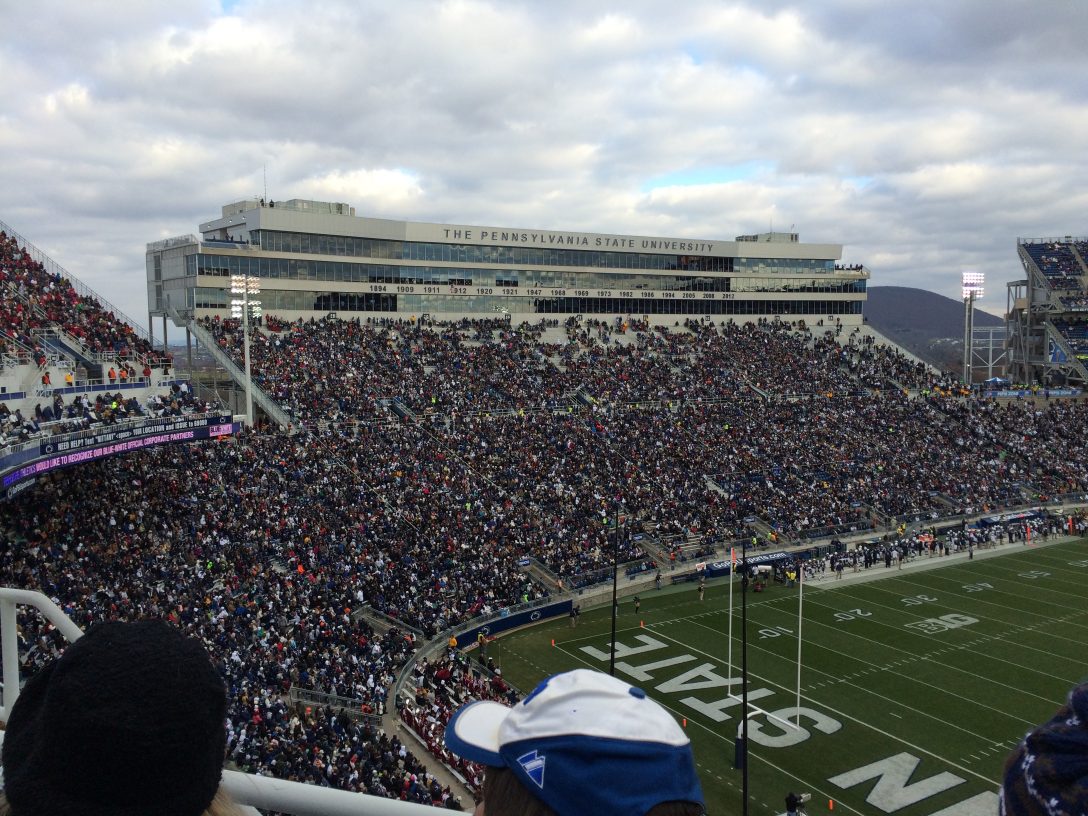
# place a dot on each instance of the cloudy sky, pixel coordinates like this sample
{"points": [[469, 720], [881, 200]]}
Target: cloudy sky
{"points": [[924, 135]]}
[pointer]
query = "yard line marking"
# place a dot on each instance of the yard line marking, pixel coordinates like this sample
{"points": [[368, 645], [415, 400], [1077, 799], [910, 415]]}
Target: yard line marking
{"points": [[1048, 581], [980, 600], [906, 677], [927, 656], [844, 715], [751, 754], [899, 631], [1000, 636]]}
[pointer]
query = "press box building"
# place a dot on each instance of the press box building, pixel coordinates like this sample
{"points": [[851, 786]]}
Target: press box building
{"points": [[314, 258]]}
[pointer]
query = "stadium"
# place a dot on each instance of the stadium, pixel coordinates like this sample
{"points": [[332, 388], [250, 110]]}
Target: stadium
{"points": [[472, 457]]}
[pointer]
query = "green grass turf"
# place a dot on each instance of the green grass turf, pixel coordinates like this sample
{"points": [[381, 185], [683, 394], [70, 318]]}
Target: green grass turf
{"points": [[958, 700]]}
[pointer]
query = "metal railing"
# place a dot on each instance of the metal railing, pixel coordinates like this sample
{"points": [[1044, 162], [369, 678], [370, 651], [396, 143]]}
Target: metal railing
{"points": [[52, 332], [19, 447], [15, 356], [1065, 239], [246, 789], [10, 291], [170, 243], [268, 793], [376, 616], [348, 705], [18, 349], [10, 598]]}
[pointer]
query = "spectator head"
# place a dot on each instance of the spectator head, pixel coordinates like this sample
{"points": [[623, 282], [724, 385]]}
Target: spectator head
{"points": [[582, 742], [1047, 774], [129, 720]]}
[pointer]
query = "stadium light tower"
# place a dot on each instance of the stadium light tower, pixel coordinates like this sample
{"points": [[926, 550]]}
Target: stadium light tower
{"points": [[246, 285], [972, 291]]}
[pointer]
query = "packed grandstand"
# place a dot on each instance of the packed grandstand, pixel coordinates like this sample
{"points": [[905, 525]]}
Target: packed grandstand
{"points": [[1054, 308], [428, 461]]}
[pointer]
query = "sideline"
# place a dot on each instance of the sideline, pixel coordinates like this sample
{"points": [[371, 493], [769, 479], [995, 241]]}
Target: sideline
{"points": [[922, 563]]}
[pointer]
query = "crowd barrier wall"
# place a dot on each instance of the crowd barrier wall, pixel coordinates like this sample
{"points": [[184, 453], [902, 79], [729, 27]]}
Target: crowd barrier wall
{"points": [[20, 467]]}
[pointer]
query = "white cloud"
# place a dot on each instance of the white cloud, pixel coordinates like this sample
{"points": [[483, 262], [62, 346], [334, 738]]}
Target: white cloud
{"points": [[924, 135], [614, 32], [390, 187]]}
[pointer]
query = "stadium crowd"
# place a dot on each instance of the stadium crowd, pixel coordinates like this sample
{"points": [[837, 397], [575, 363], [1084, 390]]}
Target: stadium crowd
{"points": [[433, 458], [1058, 261], [442, 686], [342, 370], [86, 411], [182, 534], [33, 299]]}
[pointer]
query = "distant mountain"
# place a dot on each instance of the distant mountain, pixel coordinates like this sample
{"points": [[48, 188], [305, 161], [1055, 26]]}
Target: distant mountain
{"points": [[923, 322]]}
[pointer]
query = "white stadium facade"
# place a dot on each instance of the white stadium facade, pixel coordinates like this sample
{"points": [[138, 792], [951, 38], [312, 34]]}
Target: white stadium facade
{"points": [[315, 258]]}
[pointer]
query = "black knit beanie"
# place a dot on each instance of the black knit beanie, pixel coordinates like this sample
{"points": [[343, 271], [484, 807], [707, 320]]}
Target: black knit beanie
{"points": [[129, 721], [1047, 774]]}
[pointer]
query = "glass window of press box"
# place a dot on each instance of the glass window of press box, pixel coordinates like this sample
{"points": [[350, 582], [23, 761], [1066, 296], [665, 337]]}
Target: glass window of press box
{"points": [[312, 244], [274, 300], [341, 271]]}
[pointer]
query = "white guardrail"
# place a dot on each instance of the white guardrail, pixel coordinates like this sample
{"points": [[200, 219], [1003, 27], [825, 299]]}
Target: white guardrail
{"points": [[248, 790]]}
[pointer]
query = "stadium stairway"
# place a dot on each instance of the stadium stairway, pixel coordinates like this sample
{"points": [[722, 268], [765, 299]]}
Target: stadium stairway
{"points": [[1082, 262], [764, 394], [381, 622], [70, 349], [392, 724], [654, 548], [762, 529], [543, 576], [1062, 345], [260, 397], [401, 410]]}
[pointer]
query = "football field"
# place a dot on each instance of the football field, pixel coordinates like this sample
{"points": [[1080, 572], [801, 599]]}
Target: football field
{"points": [[915, 683]]}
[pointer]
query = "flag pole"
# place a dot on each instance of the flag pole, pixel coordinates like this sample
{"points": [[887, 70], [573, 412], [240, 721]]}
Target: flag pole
{"points": [[615, 578], [732, 572], [800, 600], [742, 747]]}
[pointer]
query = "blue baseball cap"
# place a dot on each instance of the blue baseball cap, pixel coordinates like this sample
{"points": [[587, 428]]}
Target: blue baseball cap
{"points": [[583, 742]]}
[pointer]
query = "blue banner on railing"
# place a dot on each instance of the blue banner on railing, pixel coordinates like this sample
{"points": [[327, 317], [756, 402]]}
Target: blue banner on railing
{"points": [[53, 453], [1016, 517], [1029, 392], [722, 567], [513, 620]]}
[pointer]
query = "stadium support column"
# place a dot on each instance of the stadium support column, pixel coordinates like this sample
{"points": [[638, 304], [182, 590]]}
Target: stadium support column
{"points": [[972, 289]]}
